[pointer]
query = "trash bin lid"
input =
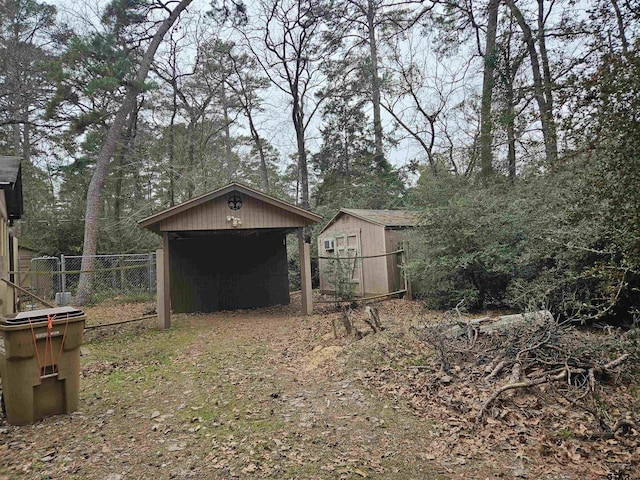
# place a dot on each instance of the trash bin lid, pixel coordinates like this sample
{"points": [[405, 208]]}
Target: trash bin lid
{"points": [[42, 315]]}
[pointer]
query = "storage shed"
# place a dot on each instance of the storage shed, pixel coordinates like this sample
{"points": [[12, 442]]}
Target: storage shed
{"points": [[227, 250], [367, 240]]}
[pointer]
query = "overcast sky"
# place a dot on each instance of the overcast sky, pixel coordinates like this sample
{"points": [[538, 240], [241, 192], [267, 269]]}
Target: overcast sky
{"points": [[275, 122]]}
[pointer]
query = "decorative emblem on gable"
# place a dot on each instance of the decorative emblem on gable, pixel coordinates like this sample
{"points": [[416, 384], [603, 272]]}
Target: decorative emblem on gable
{"points": [[234, 202]]}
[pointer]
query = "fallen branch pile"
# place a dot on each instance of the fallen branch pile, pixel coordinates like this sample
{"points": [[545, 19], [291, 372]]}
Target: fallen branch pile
{"points": [[372, 319], [530, 351], [562, 388]]}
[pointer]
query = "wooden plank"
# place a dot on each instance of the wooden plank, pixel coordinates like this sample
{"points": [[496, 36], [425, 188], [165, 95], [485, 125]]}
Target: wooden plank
{"points": [[364, 299], [305, 273], [375, 269], [15, 261], [213, 216], [163, 284], [27, 292], [3, 206], [120, 322], [393, 272]]}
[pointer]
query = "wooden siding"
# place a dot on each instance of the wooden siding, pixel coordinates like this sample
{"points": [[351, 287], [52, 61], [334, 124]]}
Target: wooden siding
{"points": [[24, 266], [3, 206], [226, 272], [372, 242], [213, 216], [6, 293]]}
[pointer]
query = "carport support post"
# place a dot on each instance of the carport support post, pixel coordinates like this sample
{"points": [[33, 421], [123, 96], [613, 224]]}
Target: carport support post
{"points": [[305, 272], [163, 287]]}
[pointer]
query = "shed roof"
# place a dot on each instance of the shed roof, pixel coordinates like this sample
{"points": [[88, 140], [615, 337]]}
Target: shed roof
{"points": [[306, 217], [384, 218], [11, 183], [9, 169]]}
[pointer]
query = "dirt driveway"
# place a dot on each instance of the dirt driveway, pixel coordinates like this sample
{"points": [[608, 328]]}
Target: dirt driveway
{"points": [[252, 394], [271, 394]]}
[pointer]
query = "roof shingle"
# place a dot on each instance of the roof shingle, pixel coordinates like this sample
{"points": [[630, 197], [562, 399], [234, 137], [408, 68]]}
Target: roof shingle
{"points": [[386, 218]]}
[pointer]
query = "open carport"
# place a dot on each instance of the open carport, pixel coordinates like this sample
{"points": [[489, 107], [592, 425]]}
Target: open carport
{"points": [[226, 250]]}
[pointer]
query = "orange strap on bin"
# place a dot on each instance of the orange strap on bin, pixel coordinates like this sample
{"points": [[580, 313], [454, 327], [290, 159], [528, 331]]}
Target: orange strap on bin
{"points": [[50, 319], [35, 345], [48, 346], [64, 335]]}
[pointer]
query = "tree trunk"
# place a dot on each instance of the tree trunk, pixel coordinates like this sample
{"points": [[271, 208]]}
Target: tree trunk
{"points": [[511, 136], [190, 186], [511, 67], [548, 84], [26, 139], [546, 117], [298, 122], [486, 123], [172, 145], [375, 83], [228, 151], [117, 194], [264, 172], [121, 162], [106, 153], [621, 29], [346, 142], [247, 107]]}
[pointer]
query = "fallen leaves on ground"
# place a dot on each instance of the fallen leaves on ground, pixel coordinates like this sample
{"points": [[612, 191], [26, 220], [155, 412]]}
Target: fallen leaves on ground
{"points": [[271, 394]]}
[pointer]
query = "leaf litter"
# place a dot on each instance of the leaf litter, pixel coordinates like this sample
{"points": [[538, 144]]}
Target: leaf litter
{"points": [[271, 394]]}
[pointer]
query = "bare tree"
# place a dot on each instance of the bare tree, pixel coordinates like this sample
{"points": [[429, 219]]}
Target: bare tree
{"points": [[490, 55], [168, 70], [289, 50], [206, 97], [541, 73], [420, 91], [245, 85], [113, 136], [367, 25], [511, 53]]}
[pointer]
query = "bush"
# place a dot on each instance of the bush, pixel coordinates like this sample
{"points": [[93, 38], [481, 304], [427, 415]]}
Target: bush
{"points": [[533, 244], [466, 246]]}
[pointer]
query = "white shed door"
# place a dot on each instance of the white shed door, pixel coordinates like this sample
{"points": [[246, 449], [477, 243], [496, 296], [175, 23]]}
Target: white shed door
{"points": [[348, 246]]}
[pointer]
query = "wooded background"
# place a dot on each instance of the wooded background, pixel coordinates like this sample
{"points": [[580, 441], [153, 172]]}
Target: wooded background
{"points": [[512, 125]]}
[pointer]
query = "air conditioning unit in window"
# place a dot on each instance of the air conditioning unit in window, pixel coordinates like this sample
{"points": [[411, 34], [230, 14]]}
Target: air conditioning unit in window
{"points": [[329, 245]]}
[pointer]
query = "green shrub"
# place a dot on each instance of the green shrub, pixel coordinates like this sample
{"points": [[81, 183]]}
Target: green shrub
{"points": [[541, 242]]}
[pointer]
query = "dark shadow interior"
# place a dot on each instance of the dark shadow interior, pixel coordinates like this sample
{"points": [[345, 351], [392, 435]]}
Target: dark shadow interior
{"points": [[226, 271]]}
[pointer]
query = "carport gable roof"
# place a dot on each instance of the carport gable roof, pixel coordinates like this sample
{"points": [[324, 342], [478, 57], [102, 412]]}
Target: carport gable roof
{"points": [[300, 216], [384, 218]]}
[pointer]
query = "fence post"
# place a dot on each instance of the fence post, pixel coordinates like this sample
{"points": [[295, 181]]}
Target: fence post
{"points": [[151, 275], [405, 274], [63, 275]]}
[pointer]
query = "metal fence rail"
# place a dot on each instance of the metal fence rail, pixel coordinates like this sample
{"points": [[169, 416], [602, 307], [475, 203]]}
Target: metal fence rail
{"points": [[113, 276]]}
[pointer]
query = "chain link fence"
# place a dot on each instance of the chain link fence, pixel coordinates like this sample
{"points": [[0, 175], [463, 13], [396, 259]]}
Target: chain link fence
{"points": [[130, 277]]}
